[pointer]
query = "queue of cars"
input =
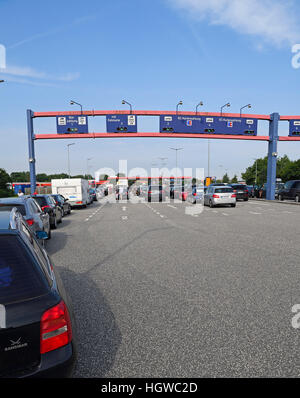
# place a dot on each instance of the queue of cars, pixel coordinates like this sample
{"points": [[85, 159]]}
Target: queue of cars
{"points": [[37, 328]]}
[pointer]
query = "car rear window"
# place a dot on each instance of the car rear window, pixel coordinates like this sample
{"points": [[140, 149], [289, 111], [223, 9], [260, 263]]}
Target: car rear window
{"points": [[223, 190], [240, 187], [8, 207], [41, 201], [20, 278]]}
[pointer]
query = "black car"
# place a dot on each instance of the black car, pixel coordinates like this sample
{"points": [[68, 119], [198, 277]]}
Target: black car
{"points": [[241, 191], [62, 203], [48, 205], [36, 318], [291, 190]]}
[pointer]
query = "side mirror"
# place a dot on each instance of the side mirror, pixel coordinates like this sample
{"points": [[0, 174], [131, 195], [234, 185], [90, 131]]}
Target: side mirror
{"points": [[41, 235]]}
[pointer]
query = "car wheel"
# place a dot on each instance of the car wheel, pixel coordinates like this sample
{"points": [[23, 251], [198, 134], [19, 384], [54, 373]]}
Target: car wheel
{"points": [[297, 198], [49, 233], [69, 210], [60, 219], [233, 205], [280, 197], [246, 199], [211, 204], [54, 225]]}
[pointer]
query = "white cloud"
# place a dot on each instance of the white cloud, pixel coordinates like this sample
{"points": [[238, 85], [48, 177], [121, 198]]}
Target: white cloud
{"points": [[273, 21], [28, 72]]}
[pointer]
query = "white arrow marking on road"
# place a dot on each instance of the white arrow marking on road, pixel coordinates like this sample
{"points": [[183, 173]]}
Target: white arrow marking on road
{"points": [[124, 218]]}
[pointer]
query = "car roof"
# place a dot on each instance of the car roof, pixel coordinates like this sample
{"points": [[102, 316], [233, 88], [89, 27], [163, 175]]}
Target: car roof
{"points": [[16, 200]]}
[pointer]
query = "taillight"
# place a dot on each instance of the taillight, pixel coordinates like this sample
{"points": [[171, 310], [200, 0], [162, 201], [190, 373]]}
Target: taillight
{"points": [[79, 203], [194, 194], [45, 207], [55, 328], [149, 191], [30, 221], [233, 195], [215, 196], [234, 190]]}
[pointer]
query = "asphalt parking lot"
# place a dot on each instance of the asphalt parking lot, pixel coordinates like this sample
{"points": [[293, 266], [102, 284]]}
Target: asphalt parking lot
{"points": [[162, 291]]}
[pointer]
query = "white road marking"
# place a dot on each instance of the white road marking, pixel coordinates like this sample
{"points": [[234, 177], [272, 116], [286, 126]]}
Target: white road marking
{"points": [[124, 218], [173, 207], [253, 212]]}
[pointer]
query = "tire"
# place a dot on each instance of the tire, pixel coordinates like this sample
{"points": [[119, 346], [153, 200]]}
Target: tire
{"points": [[233, 205], [69, 210], [246, 200], [211, 204], [297, 199], [54, 225], [280, 197], [49, 233], [60, 220]]}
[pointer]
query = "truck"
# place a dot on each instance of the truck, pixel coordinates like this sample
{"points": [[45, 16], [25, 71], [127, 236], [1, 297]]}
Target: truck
{"points": [[76, 190]]}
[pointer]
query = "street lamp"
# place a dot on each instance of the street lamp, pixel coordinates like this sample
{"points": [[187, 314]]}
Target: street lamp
{"points": [[176, 149], [255, 171], [74, 102], [200, 104], [68, 145], [179, 103], [228, 104], [246, 106], [87, 166], [125, 102]]}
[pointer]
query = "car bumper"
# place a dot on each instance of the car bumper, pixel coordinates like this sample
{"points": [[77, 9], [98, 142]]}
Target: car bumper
{"points": [[227, 201], [59, 363]]}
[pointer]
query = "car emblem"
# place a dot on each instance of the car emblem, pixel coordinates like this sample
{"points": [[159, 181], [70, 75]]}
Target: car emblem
{"points": [[16, 342]]}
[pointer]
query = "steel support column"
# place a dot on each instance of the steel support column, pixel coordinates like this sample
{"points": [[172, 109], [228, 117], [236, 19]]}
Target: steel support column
{"points": [[272, 156], [31, 151]]}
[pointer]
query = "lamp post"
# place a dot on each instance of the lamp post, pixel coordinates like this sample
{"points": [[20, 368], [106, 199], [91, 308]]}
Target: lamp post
{"points": [[125, 102], [228, 104], [77, 103], [243, 107], [176, 149], [179, 103], [68, 145], [255, 171], [200, 104], [87, 166]]}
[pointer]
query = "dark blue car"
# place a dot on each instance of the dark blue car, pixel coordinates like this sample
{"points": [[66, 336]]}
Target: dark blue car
{"points": [[36, 319]]}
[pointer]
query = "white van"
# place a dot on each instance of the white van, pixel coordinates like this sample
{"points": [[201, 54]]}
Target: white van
{"points": [[73, 189]]}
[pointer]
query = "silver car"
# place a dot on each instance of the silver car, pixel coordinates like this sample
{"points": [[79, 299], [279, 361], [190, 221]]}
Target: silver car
{"points": [[219, 195], [36, 219]]}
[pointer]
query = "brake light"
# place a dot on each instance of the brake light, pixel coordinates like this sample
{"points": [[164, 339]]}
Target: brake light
{"points": [[234, 190], [149, 191], [30, 221], [55, 328], [79, 203], [233, 195], [215, 196], [45, 207], [195, 194]]}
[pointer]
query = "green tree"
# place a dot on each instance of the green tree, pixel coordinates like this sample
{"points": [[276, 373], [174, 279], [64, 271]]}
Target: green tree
{"points": [[234, 180], [225, 179], [4, 182]]}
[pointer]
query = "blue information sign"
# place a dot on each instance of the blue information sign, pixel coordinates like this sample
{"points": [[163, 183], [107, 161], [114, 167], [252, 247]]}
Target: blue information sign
{"points": [[72, 124], [294, 129], [121, 124], [207, 125]]}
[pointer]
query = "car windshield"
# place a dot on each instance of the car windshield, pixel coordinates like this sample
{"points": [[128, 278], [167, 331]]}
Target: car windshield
{"points": [[288, 184], [10, 206]]}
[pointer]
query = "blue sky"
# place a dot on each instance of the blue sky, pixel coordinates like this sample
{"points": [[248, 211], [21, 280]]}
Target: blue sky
{"points": [[152, 54]]}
